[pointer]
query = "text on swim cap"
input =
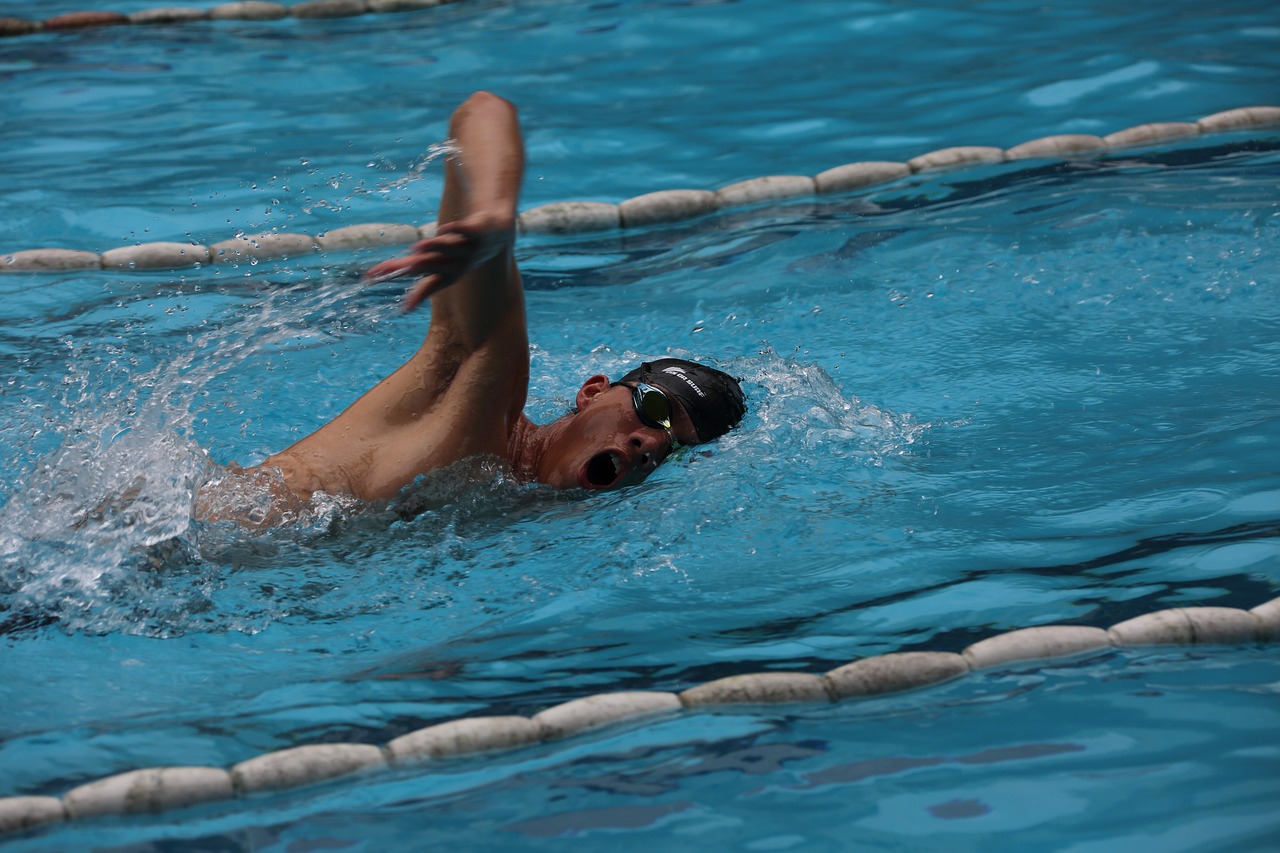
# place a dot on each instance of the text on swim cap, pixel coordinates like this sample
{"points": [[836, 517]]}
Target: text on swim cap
{"points": [[679, 373]]}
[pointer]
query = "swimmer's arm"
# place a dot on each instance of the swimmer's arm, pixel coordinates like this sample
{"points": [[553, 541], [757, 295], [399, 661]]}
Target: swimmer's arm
{"points": [[467, 269], [462, 391]]}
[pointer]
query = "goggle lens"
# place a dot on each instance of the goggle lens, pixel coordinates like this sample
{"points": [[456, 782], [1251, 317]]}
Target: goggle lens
{"points": [[652, 406], [654, 410]]}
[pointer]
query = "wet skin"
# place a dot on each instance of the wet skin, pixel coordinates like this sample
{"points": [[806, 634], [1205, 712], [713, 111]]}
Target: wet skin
{"points": [[462, 394], [605, 445]]}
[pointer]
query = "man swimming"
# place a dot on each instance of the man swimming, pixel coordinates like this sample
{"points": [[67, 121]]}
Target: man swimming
{"points": [[462, 394]]}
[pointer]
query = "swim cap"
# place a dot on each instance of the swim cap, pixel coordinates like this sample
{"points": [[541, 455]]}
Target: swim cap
{"points": [[713, 398]]}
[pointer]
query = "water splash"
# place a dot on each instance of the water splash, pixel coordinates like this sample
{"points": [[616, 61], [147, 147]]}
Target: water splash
{"points": [[100, 535], [390, 190], [801, 412], [418, 168]]}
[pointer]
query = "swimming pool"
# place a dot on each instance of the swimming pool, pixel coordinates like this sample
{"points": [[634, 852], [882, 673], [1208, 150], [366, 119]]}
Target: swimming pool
{"points": [[1011, 395]]}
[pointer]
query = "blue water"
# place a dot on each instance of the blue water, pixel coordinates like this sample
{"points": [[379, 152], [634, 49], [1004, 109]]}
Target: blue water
{"points": [[981, 400]]}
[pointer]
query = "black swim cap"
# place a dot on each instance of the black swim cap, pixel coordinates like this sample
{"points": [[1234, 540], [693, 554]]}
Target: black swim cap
{"points": [[713, 398]]}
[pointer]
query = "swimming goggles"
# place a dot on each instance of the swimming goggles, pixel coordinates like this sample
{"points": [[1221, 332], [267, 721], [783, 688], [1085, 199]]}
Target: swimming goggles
{"points": [[653, 407]]}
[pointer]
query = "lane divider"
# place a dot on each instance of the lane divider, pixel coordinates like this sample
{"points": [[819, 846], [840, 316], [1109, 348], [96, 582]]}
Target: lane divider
{"points": [[157, 789], [245, 10], [655, 208]]}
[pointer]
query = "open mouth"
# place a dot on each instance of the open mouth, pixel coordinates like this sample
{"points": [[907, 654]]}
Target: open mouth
{"points": [[604, 470]]}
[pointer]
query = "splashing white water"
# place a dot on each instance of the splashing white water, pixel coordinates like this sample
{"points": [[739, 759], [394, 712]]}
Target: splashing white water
{"points": [[97, 517], [392, 190], [101, 536]]}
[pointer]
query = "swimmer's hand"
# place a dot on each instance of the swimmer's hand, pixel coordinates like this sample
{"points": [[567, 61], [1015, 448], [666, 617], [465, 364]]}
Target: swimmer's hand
{"points": [[457, 248]]}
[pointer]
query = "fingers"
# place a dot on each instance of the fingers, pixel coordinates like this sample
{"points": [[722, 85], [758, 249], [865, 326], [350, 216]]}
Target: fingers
{"points": [[445, 240], [441, 260], [394, 268], [424, 263], [421, 291], [440, 273], [385, 271]]}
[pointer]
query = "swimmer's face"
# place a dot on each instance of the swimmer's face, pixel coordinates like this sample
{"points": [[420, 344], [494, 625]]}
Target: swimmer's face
{"points": [[606, 444]]}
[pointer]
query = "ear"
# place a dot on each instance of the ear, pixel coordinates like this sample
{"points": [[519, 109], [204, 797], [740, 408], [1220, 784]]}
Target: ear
{"points": [[592, 388]]}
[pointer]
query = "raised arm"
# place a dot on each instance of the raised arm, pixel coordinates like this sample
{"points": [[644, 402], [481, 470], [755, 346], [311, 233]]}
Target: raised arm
{"points": [[462, 393], [475, 227]]}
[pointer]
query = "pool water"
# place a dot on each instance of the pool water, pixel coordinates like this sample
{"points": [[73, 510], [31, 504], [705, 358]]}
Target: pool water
{"points": [[981, 400]]}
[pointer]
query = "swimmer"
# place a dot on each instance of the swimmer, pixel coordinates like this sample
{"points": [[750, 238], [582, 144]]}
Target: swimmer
{"points": [[462, 394]]}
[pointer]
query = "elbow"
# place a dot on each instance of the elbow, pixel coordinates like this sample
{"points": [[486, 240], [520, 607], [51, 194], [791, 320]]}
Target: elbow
{"points": [[484, 111], [483, 96], [487, 102]]}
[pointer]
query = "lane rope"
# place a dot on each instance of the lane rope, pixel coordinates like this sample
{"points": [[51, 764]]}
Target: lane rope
{"points": [[245, 10], [655, 208], [156, 789], [152, 790]]}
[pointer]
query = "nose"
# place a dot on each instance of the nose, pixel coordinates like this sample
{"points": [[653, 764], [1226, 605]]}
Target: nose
{"points": [[647, 447]]}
